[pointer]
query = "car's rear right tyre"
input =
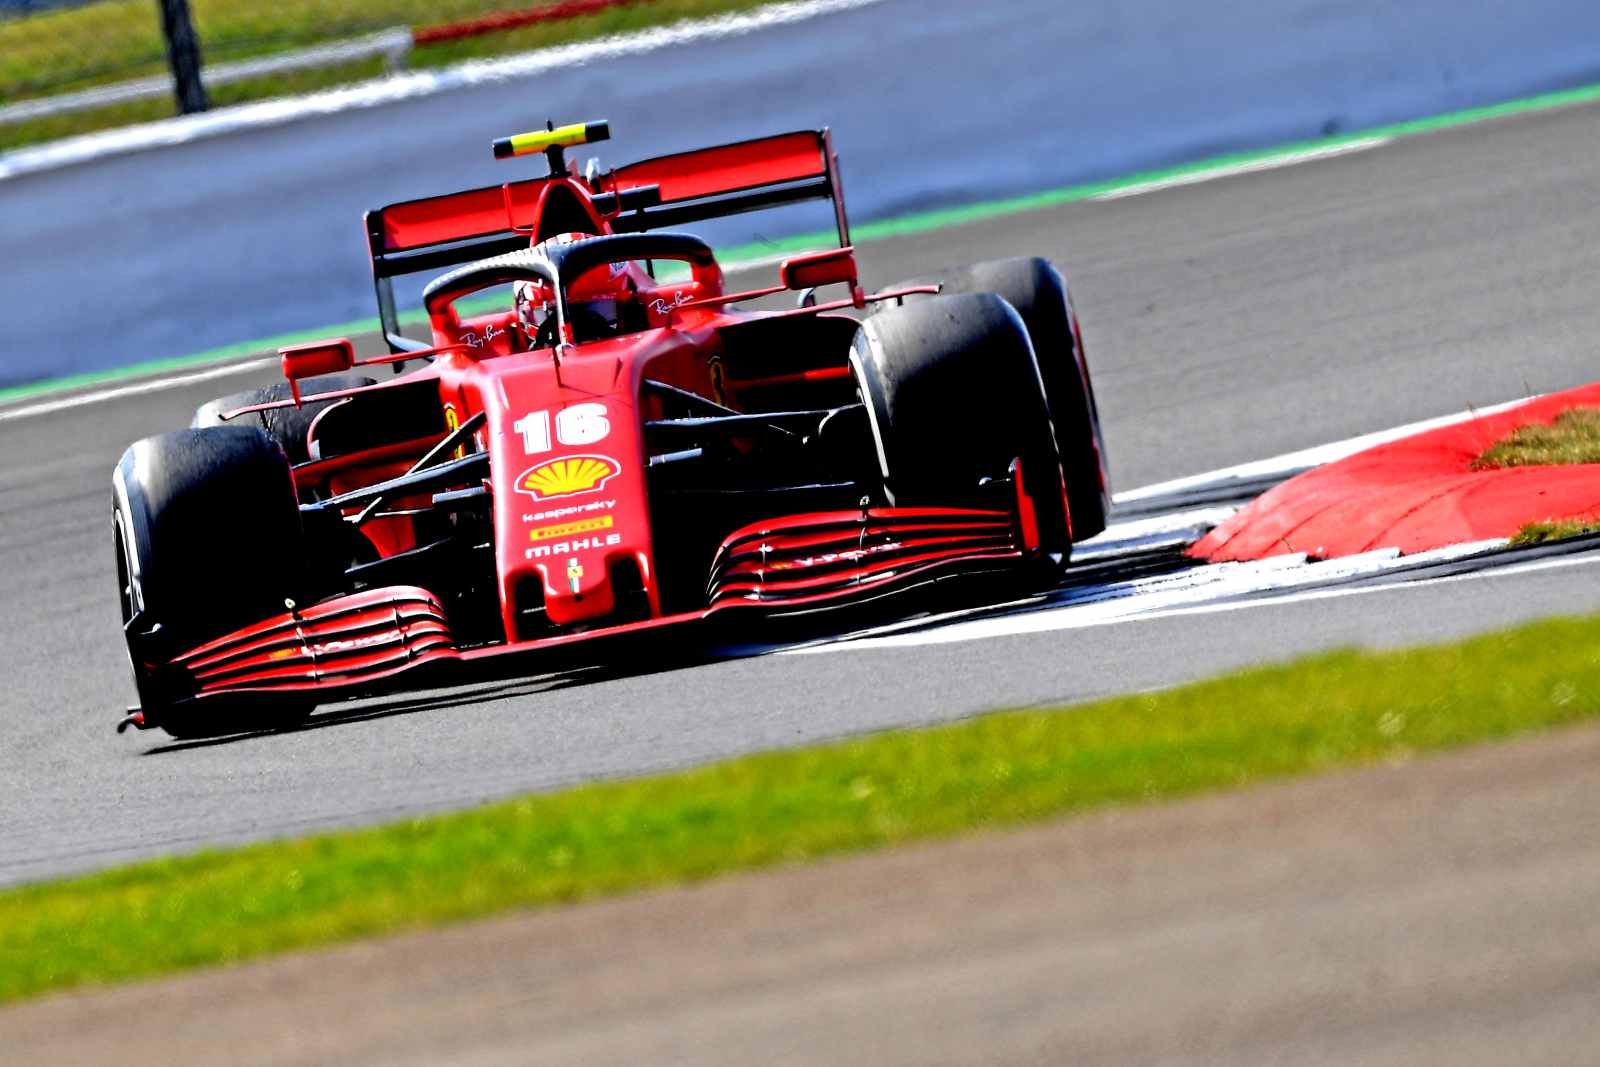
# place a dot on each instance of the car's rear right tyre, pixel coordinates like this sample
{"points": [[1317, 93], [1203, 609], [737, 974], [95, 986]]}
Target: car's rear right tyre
{"points": [[289, 427]]}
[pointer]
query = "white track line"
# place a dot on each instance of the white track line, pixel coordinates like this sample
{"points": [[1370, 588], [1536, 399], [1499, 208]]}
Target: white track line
{"points": [[1143, 535], [1229, 170], [78, 400], [1272, 580], [409, 85], [1291, 462], [1293, 597], [1359, 590]]}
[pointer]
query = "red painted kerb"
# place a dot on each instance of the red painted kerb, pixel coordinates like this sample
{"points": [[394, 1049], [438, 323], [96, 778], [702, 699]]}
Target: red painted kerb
{"points": [[1414, 494]]}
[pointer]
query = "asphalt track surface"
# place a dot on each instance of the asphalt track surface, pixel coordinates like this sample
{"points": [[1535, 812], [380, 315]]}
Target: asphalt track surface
{"points": [[1226, 321], [933, 102]]}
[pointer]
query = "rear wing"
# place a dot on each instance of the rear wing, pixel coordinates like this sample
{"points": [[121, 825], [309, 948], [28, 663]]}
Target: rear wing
{"points": [[437, 232], [732, 179]]}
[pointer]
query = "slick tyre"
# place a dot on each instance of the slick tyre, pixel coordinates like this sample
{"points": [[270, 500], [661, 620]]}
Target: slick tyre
{"points": [[1036, 289], [955, 396], [289, 427], [208, 539]]}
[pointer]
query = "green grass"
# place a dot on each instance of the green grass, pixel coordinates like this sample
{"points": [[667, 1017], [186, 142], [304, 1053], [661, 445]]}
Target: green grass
{"points": [[1574, 437], [1327, 711], [1538, 533], [114, 40], [55, 127]]}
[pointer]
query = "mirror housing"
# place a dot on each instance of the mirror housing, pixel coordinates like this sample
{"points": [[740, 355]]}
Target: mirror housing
{"points": [[834, 266], [314, 358]]}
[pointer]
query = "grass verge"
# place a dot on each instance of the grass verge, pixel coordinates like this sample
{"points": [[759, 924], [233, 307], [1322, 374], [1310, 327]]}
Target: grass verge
{"points": [[1573, 437], [1331, 710], [1538, 533], [113, 40]]}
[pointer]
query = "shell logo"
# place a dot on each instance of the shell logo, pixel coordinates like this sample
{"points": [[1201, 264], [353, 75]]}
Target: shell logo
{"points": [[567, 476]]}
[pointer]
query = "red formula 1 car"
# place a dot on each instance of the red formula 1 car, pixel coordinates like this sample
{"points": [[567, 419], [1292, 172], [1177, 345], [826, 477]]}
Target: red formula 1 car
{"points": [[613, 448]]}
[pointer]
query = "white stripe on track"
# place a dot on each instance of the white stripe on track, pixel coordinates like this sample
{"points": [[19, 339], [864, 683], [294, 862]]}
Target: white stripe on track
{"points": [[1293, 597], [152, 385], [1144, 535], [1229, 170], [1276, 579], [1291, 462], [1356, 590]]}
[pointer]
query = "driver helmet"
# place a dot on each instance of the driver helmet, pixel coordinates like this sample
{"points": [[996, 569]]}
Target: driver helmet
{"points": [[603, 301], [534, 304], [599, 302]]}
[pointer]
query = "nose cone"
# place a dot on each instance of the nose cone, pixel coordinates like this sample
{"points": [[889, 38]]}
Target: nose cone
{"points": [[570, 502]]}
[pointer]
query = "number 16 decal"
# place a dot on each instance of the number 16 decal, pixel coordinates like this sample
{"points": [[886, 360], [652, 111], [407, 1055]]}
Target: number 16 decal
{"points": [[580, 424]]}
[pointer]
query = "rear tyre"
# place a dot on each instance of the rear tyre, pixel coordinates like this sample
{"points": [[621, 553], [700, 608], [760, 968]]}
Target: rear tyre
{"points": [[289, 427], [1036, 289], [208, 539], [955, 396]]}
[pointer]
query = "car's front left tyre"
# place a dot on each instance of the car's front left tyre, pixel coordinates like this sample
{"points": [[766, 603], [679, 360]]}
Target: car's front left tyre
{"points": [[208, 539]]}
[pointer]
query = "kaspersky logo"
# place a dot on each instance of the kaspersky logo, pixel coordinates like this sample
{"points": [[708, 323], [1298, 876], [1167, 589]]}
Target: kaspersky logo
{"points": [[567, 476]]}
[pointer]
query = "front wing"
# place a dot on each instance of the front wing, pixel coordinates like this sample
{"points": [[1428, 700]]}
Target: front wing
{"points": [[363, 643]]}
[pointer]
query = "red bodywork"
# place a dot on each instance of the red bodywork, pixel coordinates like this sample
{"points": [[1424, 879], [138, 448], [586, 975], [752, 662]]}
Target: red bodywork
{"points": [[574, 530]]}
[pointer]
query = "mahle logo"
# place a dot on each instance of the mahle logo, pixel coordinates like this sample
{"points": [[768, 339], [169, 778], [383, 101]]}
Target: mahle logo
{"points": [[567, 476]]}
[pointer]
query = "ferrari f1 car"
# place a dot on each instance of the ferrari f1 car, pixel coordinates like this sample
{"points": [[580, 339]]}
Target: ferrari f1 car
{"points": [[609, 445]]}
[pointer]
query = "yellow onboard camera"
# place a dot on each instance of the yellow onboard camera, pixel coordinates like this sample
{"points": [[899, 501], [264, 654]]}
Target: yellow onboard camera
{"points": [[551, 141]]}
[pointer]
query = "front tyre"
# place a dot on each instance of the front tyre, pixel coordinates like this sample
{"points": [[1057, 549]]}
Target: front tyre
{"points": [[1037, 290], [955, 396], [207, 536]]}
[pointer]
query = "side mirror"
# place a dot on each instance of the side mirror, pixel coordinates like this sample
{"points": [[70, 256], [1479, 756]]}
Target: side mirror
{"points": [[317, 357], [831, 267]]}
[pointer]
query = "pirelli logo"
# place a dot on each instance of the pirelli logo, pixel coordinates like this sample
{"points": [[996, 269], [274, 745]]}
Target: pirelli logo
{"points": [[567, 529]]}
